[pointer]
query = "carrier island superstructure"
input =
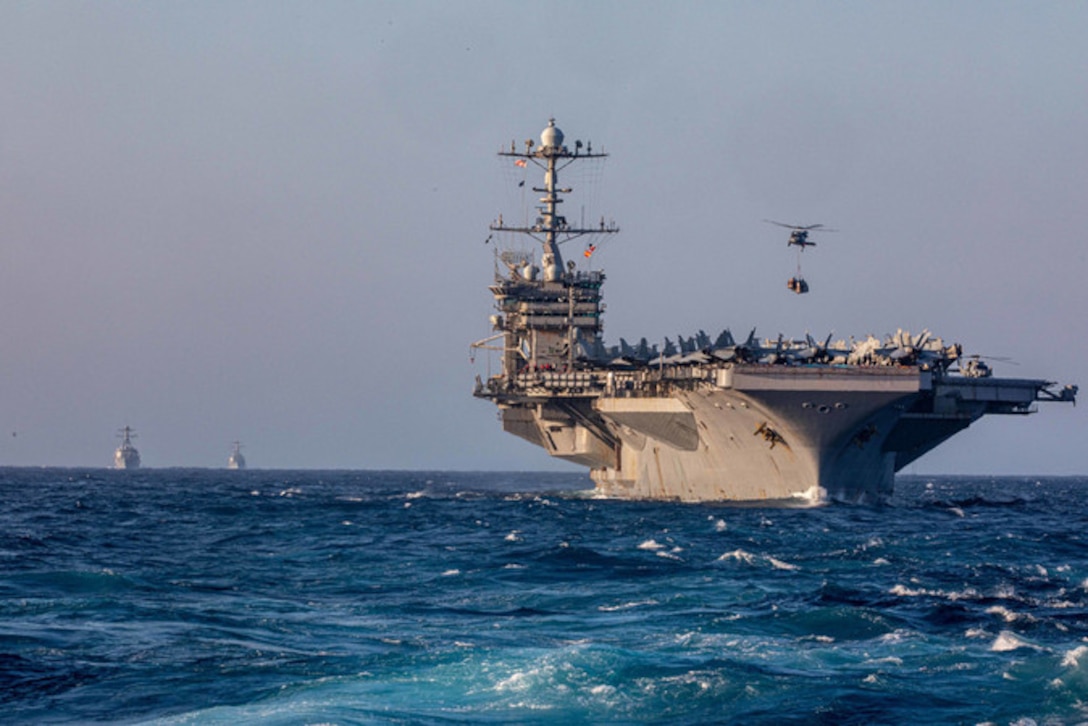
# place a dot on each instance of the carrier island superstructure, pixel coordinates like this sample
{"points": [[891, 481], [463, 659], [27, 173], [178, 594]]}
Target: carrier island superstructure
{"points": [[708, 419]]}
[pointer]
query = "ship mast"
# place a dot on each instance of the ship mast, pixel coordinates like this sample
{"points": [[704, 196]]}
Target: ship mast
{"points": [[551, 228]]}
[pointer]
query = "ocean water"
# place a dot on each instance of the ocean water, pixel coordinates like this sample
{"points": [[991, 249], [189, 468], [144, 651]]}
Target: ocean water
{"points": [[223, 597]]}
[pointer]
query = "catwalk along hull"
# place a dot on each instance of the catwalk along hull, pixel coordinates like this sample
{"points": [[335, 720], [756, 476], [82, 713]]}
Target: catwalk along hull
{"points": [[712, 420]]}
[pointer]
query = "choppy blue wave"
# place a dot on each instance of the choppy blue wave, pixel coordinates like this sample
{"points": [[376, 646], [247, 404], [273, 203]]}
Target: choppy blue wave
{"points": [[208, 597]]}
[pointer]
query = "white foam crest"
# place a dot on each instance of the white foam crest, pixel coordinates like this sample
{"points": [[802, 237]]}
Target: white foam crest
{"points": [[531, 706], [1072, 657], [516, 681], [415, 495], [881, 561], [1007, 641], [669, 556], [896, 636], [1008, 615], [748, 558], [702, 680], [650, 544], [815, 494], [969, 593], [526, 680], [720, 525], [451, 573], [625, 606], [903, 591], [686, 638], [514, 536], [740, 556]]}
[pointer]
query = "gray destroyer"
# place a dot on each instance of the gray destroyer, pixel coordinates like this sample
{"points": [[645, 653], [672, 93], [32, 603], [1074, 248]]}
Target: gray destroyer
{"points": [[126, 456], [713, 419]]}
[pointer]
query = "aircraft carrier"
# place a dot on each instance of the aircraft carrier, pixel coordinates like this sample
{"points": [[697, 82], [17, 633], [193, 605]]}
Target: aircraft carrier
{"points": [[707, 419]]}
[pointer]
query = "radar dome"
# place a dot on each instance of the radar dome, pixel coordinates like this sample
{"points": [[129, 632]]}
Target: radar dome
{"points": [[551, 136]]}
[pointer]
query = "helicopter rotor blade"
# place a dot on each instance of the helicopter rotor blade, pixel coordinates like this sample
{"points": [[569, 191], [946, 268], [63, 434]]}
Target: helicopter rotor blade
{"points": [[983, 356], [801, 227]]}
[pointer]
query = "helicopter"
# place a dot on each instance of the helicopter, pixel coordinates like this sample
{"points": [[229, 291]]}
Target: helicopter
{"points": [[799, 239], [799, 234], [973, 366]]}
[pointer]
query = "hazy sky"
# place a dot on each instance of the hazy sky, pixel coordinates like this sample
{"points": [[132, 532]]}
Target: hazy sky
{"points": [[264, 221]]}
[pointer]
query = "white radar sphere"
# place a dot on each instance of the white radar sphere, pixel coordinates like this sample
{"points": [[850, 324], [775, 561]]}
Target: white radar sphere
{"points": [[551, 136]]}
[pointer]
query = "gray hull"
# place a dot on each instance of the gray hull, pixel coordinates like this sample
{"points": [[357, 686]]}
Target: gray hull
{"points": [[754, 432], [126, 458]]}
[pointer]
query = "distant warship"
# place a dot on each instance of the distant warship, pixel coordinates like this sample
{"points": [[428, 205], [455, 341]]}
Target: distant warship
{"points": [[126, 456], [236, 460], [713, 419]]}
